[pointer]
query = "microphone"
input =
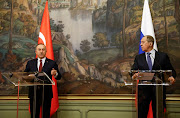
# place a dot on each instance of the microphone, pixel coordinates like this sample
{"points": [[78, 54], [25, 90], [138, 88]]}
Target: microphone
{"points": [[11, 74], [36, 73]]}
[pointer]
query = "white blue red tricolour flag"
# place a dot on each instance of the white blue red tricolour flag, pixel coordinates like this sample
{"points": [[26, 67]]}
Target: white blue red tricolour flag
{"points": [[147, 25]]}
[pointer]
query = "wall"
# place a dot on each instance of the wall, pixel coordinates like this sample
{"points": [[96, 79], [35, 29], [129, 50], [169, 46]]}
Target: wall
{"points": [[92, 45], [86, 107]]}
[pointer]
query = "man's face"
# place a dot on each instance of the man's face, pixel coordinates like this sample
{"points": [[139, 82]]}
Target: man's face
{"points": [[41, 51], [145, 45]]}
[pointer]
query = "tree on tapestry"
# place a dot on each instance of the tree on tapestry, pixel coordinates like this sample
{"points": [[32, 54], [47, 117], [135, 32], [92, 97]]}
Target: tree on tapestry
{"points": [[100, 40], [85, 45]]}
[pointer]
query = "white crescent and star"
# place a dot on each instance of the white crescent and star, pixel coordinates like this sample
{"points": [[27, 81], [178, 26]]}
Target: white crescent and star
{"points": [[42, 37]]}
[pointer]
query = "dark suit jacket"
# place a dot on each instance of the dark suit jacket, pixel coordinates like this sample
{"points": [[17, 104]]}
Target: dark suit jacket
{"points": [[48, 66], [161, 62]]}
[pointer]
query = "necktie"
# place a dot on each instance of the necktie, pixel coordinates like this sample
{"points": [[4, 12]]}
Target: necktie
{"points": [[40, 66], [149, 61]]}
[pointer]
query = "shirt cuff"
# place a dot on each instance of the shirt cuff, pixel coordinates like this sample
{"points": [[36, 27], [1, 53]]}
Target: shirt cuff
{"points": [[56, 75]]}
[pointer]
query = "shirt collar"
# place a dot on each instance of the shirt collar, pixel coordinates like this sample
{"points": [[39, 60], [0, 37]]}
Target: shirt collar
{"points": [[43, 59], [152, 52]]}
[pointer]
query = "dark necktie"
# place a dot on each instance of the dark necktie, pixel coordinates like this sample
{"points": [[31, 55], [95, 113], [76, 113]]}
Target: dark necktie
{"points": [[149, 61], [40, 66]]}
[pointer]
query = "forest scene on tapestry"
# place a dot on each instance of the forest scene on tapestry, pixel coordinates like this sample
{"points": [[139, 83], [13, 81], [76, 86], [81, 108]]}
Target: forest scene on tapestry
{"points": [[94, 41]]}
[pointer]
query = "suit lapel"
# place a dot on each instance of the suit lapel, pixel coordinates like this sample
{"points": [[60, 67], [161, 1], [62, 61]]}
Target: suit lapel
{"points": [[156, 61], [145, 62], [45, 63], [36, 68]]}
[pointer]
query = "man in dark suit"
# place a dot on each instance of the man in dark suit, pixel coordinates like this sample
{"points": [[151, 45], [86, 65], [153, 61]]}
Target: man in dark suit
{"points": [[150, 60], [42, 64]]}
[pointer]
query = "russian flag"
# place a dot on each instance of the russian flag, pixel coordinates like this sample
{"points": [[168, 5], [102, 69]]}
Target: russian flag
{"points": [[147, 29], [147, 25]]}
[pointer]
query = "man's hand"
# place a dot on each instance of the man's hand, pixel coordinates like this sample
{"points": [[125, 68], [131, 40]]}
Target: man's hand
{"points": [[135, 75], [53, 72], [171, 79]]}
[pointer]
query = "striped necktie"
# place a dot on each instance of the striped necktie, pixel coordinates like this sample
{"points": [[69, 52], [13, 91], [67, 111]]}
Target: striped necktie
{"points": [[149, 61]]}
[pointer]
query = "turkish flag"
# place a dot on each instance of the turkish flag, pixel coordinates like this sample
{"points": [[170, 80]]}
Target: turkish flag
{"points": [[45, 38]]}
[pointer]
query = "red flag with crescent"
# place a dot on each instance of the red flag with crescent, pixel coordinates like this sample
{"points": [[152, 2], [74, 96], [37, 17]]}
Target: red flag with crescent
{"points": [[45, 38]]}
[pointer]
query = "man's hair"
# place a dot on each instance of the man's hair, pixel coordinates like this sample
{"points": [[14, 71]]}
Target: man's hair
{"points": [[39, 44], [150, 39]]}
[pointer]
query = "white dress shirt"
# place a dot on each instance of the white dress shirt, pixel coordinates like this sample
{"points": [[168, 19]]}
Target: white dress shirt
{"points": [[43, 61]]}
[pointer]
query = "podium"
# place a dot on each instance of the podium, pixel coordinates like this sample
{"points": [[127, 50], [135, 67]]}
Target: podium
{"points": [[150, 82], [33, 79]]}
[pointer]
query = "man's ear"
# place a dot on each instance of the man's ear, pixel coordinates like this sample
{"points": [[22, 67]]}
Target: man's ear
{"points": [[151, 44]]}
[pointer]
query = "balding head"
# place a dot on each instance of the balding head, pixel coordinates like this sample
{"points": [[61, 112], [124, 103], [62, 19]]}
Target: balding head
{"points": [[40, 51]]}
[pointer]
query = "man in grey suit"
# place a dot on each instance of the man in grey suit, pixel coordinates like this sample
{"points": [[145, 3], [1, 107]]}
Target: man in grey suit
{"points": [[42, 64], [150, 60]]}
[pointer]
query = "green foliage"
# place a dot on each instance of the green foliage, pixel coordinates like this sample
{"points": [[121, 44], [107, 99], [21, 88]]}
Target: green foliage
{"points": [[56, 27], [119, 3], [15, 5], [22, 7], [100, 40], [25, 25], [1, 20], [7, 16], [22, 17], [1, 15], [5, 25], [178, 27], [2, 3], [18, 25], [135, 13], [78, 53], [1, 28], [85, 45], [116, 40]]}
